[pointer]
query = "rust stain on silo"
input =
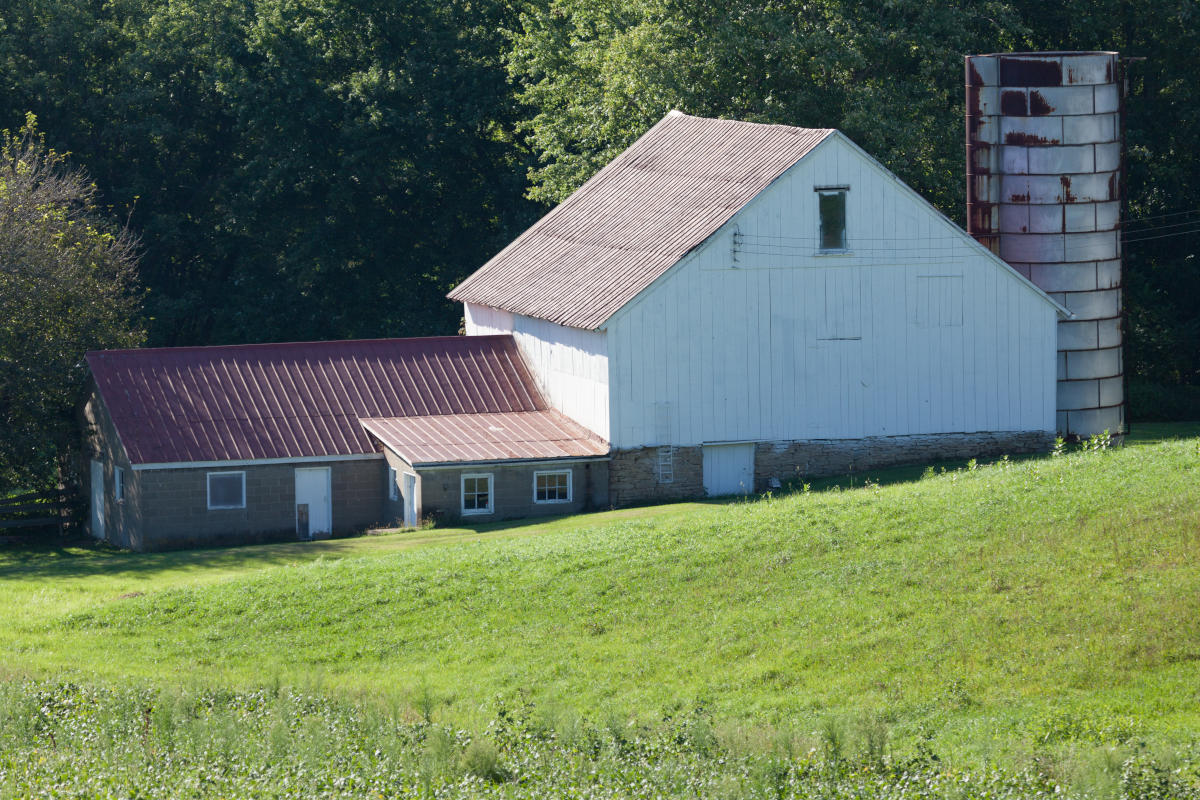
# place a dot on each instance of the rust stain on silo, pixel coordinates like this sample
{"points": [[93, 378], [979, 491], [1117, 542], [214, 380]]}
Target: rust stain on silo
{"points": [[1067, 196], [1018, 137], [1114, 185], [1037, 104], [1030, 72], [1012, 102], [1019, 198]]}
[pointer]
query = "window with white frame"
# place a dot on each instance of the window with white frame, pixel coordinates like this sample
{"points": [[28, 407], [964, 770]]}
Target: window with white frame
{"points": [[552, 487], [665, 466], [119, 484], [831, 203], [226, 490], [393, 488], [477, 494]]}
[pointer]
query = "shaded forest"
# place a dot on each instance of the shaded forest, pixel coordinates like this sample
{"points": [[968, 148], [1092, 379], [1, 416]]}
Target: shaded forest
{"points": [[308, 169]]}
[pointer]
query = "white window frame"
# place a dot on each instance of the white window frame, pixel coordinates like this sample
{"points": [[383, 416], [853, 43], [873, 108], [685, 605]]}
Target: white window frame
{"points": [[462, 493], [208, 485], [393, 484], [664, 467], [118, 484], [845, 248], [570, 485]]}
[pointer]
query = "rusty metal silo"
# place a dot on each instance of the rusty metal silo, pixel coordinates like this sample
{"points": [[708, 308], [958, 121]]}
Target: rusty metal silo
{"points": [[1043, 192]]}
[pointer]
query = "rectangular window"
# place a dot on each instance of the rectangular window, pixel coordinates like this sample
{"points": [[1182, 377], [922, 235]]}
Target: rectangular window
{"points": [[226, 490], [476, 494], [832, 204], [393, 489], [119, 484], [552, 487]]}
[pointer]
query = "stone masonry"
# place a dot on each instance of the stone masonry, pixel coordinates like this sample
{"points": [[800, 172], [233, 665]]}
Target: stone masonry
{"points": [[635, 475], [823, 457]]}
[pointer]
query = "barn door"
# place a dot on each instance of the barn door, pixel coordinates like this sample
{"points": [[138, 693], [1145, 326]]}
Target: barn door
{"points": [[314, 514], [410, 500], [728, 469], [97, 488]]}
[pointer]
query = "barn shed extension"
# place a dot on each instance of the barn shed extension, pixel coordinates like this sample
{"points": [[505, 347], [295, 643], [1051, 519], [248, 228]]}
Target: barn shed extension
{"points": [[204, 445]]}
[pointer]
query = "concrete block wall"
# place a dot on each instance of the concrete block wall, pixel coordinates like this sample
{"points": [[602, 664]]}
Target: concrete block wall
{"points": [[175, 513], [634, 476], [512, 489]]}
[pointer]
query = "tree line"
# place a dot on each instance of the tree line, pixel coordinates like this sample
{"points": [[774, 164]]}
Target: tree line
{"points": [[310, 169]]}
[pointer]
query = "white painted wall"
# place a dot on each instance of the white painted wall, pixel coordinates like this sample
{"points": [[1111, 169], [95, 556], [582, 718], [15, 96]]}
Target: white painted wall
{"points": [[756, 336], [569, 364]]}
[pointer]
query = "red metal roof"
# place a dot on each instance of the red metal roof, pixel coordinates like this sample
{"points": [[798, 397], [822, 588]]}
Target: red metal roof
{"points": [[635, 218], [295, 400], [457, 438]]}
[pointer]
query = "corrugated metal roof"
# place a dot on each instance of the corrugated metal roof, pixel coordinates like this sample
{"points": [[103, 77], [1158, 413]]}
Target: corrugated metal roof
{"points": [[457, 438], [295, 400], [635, 218]]}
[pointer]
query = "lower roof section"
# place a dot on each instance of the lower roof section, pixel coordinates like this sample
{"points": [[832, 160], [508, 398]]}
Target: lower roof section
{"points": [[472, 438]]}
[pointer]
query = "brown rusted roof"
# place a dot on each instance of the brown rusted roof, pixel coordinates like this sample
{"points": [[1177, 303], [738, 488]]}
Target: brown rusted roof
{"points": [[635, 218], [299, 400], [457, 438]]}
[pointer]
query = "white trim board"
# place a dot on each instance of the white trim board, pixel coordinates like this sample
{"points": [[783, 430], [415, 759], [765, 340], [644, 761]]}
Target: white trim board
{"points": [[254, 462]]}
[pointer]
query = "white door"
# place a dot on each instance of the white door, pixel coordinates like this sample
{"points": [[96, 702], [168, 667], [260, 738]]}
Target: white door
{"points": [[97, 500], [314, 514], [728, 469], [410, 500]]}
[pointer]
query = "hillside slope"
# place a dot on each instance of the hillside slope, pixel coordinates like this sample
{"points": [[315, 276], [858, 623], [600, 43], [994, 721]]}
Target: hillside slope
{"points": [[1055, 599]]}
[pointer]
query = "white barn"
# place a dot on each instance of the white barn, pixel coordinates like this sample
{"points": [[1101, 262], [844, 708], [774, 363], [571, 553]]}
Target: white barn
{"points": [[731, 304]]}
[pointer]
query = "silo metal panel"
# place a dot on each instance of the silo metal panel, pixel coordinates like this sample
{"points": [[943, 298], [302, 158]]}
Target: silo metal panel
{"points": [[1032, 130], [1062, 366], [1077, 335], [1107, 98], [1089, 246], [1015, 160], [1108, 156], [1079, 217], [1033, 248], [1078, 394], [1108, 332], [1086, 130], [1108, 273], [1046, 219], [1084, 364], [1063, 100], [1093, 305], [1108, 215], [1093, 421], [983, 70], [1062, 277], [1055, 160], [1088, 68], [1014, 218], [1112, 391]]}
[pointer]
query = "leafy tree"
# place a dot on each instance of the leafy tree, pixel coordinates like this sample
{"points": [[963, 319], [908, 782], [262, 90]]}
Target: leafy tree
{"points": [[67, 285]]}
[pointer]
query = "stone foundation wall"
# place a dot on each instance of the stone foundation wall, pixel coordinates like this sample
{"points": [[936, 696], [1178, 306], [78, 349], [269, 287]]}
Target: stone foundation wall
{"points": [[633, 476], [822, 457]]}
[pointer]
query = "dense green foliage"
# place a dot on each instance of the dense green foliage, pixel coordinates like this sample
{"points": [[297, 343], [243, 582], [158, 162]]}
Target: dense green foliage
{"points": [[1044, 611], [66, 286], [71, 741]]}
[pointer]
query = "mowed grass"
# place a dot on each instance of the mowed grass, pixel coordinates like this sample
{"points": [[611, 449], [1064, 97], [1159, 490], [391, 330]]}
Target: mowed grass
{"points": [[988, 612]]}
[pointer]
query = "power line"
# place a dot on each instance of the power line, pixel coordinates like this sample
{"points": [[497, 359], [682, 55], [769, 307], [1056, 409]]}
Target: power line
{"points": [[1163, 235]]}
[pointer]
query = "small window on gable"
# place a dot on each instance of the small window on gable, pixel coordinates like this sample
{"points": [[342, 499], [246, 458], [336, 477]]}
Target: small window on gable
{"points": [[226, 490], [552, 487], [831, 202], [476, 494], [393, 488], [119, 484]]}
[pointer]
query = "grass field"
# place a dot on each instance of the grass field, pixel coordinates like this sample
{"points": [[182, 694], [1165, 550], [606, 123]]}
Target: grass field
{"points": [[1043, 612]]}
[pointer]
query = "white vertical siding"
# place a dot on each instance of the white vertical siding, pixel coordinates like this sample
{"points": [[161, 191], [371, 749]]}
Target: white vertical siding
{"points": [[757, 337], [569, 364]]}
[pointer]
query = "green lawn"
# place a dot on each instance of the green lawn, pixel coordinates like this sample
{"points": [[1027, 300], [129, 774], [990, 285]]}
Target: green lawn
{"points": [[992, 613]]}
